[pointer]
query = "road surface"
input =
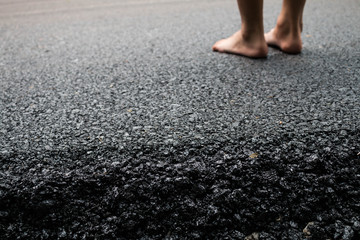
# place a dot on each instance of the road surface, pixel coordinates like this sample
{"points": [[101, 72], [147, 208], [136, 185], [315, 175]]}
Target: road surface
{"points": [[119, 122]]}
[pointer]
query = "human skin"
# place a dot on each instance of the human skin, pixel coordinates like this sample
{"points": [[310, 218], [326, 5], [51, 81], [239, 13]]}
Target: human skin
{"points": [[250, 40], [287, 33]]}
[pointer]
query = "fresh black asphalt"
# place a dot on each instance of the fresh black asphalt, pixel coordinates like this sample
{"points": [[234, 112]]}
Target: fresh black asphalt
{"points": [[119, 122]]}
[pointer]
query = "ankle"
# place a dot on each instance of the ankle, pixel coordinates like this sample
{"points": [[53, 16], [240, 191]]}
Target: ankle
{"points": [[286, 27], [252, 35]]}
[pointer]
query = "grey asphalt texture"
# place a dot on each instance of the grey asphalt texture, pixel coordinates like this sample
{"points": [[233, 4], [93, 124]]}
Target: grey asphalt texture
{"points": [[119, 122]]}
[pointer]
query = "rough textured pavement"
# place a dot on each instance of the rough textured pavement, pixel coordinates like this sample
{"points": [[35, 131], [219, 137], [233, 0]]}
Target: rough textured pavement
{"points": [[118, 122]]}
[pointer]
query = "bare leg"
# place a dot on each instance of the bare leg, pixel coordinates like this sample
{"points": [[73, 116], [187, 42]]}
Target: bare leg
{"points": [[301, 17], [249, 41], [287, 33]]}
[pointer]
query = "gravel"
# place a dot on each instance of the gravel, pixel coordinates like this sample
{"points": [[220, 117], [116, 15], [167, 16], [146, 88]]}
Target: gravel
{"points": [[116, 125]]}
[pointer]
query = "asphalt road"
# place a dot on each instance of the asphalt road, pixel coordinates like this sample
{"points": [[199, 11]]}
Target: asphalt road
{"points": [[119, 122]]}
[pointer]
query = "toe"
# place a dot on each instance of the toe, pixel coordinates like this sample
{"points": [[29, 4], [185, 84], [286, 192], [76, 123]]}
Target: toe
{"points": [[214, 48], [217, 46]]}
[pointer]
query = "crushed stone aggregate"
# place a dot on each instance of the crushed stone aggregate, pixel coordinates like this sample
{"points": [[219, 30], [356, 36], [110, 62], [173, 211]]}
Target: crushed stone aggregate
{"points": [[120, 125]]}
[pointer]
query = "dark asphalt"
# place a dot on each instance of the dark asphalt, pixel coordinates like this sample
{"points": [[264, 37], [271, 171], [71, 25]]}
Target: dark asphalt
{"points": [[119, 122]]}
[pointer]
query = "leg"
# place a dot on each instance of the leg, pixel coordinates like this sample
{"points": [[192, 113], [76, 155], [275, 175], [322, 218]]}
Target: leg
{"points": [[301, 17], [249, 41], [287, 33]]}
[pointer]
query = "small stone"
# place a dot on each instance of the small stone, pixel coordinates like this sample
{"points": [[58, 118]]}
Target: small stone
{"points": [[306, 230], [293, 224], [254, 155], [253, 236], [356, 226], [348, 233]]}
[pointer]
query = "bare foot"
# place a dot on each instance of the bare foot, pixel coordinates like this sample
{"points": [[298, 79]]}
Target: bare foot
{"points": [[287, 41], [249, 46]]}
